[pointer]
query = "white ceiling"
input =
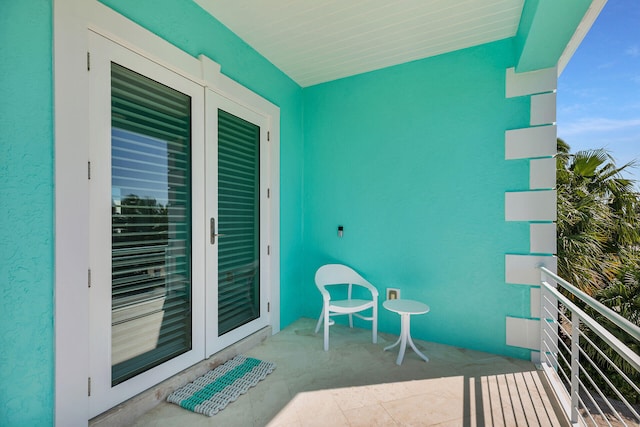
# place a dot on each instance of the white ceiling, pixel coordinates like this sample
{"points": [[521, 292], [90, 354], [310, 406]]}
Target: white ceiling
{"points": [[314, 41]]}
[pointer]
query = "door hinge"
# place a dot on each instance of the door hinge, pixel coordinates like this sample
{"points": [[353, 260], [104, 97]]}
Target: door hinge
{"points": [[89, 170], [268, 136], [89, 277], [89, 386], [88, 61], [268, 193], [268, 250], [268, 307]]}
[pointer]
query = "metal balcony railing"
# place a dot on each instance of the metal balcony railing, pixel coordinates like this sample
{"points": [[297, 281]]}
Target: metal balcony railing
{"points": [[591, 367]]}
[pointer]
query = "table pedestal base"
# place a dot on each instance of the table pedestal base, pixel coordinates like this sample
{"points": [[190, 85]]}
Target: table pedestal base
{"points": [[405, 335]]}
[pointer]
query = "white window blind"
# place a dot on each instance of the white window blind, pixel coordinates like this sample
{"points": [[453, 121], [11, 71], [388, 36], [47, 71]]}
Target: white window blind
{"points": [[239, 222], [151, 223]]}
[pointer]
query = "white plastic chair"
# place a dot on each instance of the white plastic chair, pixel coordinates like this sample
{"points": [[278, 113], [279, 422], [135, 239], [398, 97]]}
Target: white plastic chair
{"points": [[338, 274]]}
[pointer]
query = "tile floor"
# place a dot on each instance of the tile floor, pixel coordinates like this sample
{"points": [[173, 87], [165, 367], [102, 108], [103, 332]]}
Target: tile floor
{"points": [[356, 383]]}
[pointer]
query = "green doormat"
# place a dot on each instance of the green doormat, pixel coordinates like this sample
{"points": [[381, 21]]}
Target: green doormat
{"points": [[213, 391]]}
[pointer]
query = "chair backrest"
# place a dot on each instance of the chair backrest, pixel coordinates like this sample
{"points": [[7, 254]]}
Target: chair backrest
{"points": [[338, 274]]}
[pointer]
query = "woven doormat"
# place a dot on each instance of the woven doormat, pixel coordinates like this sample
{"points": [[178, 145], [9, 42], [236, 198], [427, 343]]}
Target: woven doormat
{"points": [[213, 391]]}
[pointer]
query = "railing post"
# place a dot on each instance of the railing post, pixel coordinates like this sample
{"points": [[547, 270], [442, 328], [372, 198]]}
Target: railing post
{"points": [[548, 321], [543, 320], [575, 365]]}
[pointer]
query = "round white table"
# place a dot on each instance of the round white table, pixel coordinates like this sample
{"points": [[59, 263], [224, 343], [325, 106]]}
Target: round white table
{"points": [[405, 308]]}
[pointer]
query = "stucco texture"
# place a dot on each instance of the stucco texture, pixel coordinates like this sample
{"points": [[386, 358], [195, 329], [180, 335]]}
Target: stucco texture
{"points": [[410, 160], [26, 203]]}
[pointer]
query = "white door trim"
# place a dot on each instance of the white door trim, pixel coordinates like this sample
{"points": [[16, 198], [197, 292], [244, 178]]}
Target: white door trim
{"points": [[72, 20], [214, 102], [103, 395]]}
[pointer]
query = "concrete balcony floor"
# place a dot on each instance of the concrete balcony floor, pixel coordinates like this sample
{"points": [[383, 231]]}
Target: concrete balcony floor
{"points": [[356, 383]]}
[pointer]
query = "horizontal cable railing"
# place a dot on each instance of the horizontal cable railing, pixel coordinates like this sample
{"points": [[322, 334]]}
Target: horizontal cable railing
{"points": [[592, 368]]}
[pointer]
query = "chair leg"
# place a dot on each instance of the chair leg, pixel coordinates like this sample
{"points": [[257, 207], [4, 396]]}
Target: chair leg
{"points": [[320, 320], [374, 324], [350, 320], [326, 330]]}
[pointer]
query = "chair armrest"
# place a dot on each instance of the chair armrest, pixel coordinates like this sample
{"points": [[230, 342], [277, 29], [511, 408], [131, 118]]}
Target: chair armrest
{"points": [[370, 287], [326, 296]]}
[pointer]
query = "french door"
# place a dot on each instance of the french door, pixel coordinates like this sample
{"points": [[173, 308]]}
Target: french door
{"points": [[237, 208], [177, 229]]}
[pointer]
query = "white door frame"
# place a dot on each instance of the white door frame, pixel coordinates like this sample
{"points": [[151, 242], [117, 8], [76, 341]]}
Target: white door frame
{"points": [[214, 102], [103, 395], [72, 20]]}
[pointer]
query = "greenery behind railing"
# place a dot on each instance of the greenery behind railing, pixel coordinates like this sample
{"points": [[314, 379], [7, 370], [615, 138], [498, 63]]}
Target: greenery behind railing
{"points": [[599, 250]]}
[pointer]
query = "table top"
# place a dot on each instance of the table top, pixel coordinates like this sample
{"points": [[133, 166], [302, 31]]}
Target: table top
{"points": [[405, 306]]}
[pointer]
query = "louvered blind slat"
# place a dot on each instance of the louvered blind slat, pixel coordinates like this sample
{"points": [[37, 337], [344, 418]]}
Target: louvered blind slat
{"points": [[151, 226], [239, 220]]}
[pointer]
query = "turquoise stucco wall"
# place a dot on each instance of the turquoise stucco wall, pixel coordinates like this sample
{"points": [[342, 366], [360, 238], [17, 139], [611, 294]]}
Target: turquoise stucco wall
{"points": [[187, 26], [27, 174], [410, 160], [26, 203]]}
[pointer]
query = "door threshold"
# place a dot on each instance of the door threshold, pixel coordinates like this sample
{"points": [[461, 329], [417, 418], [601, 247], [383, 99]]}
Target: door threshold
{"points": [[130, 410]]}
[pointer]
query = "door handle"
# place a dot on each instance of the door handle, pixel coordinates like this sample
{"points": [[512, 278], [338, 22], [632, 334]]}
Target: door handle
{"points": [[213, 234]]}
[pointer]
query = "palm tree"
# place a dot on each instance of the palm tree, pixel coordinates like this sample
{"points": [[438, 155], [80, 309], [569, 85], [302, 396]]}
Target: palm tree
{"points": [[598, 242], [598, 218], [623, 297]]}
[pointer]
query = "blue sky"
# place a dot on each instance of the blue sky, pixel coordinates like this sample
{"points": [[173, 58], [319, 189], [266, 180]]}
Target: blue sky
{"points": [[599, 90]]}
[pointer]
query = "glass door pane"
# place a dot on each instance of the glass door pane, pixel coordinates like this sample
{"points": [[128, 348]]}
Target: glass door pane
{"points": [[239, 222], [151, 223]]}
